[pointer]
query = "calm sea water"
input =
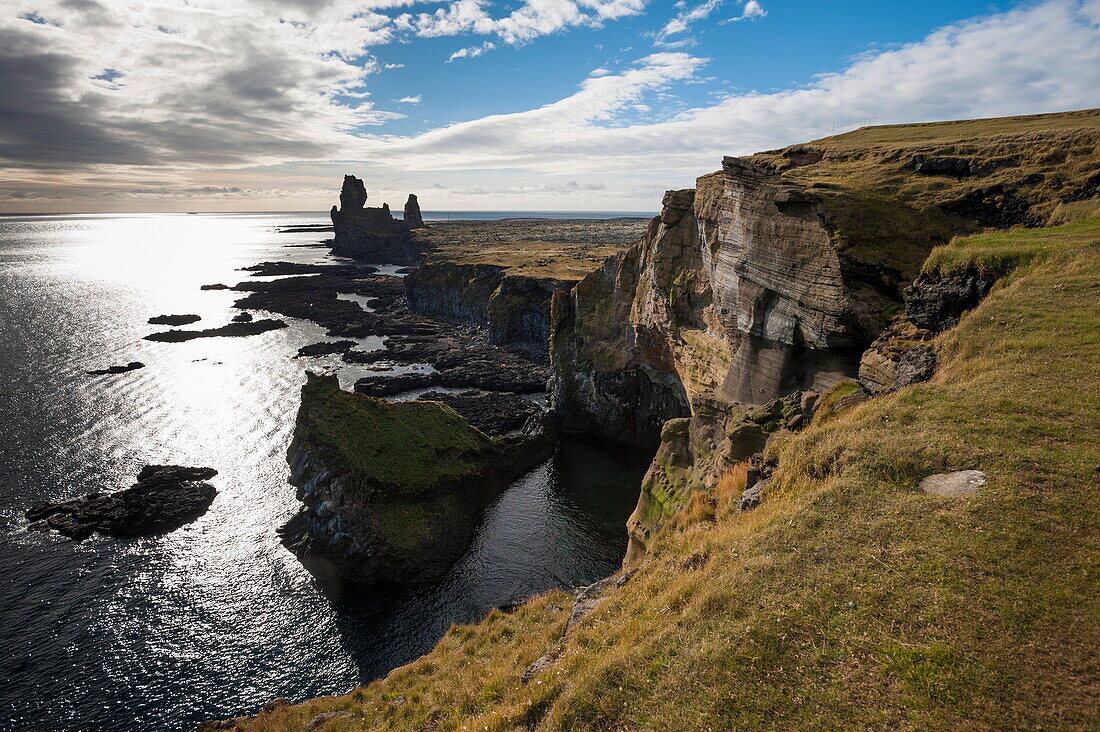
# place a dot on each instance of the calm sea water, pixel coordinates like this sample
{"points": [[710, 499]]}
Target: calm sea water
{"points": [[216, 618]]}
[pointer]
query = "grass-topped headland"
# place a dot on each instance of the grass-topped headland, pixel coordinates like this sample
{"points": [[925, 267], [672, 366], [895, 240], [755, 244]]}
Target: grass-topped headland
{"points": [[393, 491], [405, 447], [893, 192], [848, 598]]}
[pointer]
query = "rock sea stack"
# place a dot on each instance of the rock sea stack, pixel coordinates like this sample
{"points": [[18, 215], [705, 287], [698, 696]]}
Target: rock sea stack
{"points": [[373, 234]]}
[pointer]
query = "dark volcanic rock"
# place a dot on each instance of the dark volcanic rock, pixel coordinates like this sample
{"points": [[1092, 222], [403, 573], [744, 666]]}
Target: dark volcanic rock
{"points": [[218, 286], [957, 167], [997, 206], [174, 319], [936, 301], [379, 386], [242, 318], [492, 412], [460, 362], [304, 228], [325, 348], [315, 297], [118, 369], [164, 498], [275, 269], [233, 329], [413, 219], [370, 234]]}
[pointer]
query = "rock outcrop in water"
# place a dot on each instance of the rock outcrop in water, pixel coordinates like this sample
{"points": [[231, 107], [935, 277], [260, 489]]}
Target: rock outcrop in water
{"points": [[373, 234], [236, 329], [394, 491], [164, 498]]}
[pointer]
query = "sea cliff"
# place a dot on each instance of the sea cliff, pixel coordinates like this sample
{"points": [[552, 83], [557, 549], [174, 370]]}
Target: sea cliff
{"points": [[394, 491], [814, 339]]}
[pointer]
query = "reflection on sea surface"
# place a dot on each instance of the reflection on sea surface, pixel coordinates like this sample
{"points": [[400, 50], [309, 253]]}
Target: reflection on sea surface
{"points": [[216, 618]]}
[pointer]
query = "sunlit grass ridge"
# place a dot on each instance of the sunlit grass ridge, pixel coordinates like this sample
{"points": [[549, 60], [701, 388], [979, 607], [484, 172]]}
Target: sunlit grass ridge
{"points": [[848, 598]]}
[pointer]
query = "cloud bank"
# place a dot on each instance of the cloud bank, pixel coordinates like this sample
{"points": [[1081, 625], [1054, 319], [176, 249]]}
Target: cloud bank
{"points": [[181, 95]]}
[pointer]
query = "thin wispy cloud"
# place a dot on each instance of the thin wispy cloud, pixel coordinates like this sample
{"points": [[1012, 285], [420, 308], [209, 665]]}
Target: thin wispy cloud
{"points": [[688, 16], [408, 100], [472, 51]]}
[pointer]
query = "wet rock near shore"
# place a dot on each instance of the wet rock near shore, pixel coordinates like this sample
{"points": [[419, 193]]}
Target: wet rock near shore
{"points": [[254, 327], [483, 368], [174, 319], [132, 366], [278, 269], [315, 297], [325, 348], [164, 498], [242, 318], [492, 412], [216, 286]]}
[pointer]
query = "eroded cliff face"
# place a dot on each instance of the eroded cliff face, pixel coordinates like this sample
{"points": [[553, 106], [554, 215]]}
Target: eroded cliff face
{"points": [[737, 297], [514, 308]]}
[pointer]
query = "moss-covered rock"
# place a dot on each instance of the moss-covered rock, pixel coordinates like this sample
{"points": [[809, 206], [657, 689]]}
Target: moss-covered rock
{"points": [[394, 491]]}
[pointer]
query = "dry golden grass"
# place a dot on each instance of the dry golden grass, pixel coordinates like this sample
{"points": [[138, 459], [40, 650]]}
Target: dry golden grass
{"points": [[848, 599]]}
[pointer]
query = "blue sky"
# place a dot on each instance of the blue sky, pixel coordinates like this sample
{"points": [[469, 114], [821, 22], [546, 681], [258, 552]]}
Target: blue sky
{"points": [[481, 105], [796, 40]]}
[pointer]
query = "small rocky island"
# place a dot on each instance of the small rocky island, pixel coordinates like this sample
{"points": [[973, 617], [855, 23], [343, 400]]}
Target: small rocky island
{"points": [[164, 498], [393, 491]]}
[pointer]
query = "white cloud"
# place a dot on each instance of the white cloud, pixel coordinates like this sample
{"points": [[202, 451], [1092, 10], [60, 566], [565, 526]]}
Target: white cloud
{"points": [[393, 66], [472, 51], [408, 100], [261, 92], [751, 11], [1039, 58], [530, 20]]}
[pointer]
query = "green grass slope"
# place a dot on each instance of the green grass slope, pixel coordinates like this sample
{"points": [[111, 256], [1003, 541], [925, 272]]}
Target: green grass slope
{"points": [[848, 599]]}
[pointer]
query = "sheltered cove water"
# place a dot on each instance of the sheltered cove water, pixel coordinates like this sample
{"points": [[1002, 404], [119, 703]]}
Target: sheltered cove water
{"points": [[216, 618]]}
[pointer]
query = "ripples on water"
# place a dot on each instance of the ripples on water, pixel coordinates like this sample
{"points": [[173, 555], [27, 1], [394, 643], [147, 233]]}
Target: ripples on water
{"points": [[216, 618]]}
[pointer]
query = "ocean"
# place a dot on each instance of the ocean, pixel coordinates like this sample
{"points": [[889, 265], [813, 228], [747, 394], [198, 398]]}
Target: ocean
{"points": [[214, 619]]}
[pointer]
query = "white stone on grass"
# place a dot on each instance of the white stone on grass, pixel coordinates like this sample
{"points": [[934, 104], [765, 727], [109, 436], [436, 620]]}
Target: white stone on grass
{"points": [[953, 485]]}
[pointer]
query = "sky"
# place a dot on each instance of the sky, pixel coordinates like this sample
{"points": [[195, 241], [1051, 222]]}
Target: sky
{"points": [[534, 105]]}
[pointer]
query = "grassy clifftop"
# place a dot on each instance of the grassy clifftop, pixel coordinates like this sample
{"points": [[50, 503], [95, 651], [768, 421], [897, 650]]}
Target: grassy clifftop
{"points": [[891, 193], [848, 598], [406, 447]]}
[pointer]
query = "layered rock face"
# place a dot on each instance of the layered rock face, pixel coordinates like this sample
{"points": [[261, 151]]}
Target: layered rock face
{"points": [[373, 234], [736, 297], [394, 491]]}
